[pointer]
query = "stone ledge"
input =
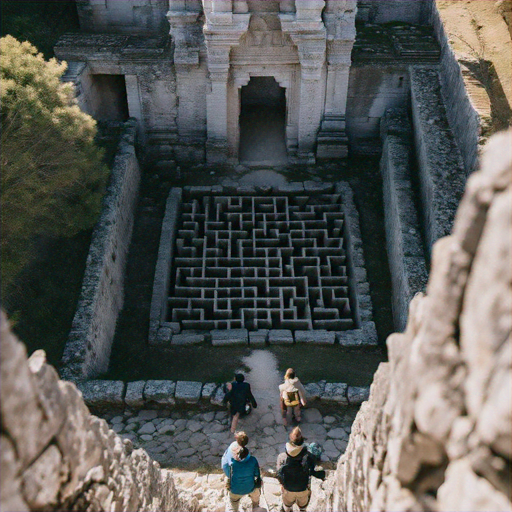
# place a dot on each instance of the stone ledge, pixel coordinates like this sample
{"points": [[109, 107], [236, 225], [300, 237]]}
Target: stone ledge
{"points": [[320, 337], [230, 337], [157, 394], [103, 394]]}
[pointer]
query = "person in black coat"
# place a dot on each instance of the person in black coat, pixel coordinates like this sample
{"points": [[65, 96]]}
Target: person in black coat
{"points": [[238, 397], [295, 467]]}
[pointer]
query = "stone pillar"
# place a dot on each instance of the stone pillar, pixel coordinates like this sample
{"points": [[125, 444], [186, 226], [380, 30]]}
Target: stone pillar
{"points": [[133, 100], [222, 30], [339, 18], [217, 106], [187, 36], [307, 31]]}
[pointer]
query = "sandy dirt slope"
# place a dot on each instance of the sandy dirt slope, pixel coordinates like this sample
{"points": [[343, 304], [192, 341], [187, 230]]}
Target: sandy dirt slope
{"points": [[481, 39]]}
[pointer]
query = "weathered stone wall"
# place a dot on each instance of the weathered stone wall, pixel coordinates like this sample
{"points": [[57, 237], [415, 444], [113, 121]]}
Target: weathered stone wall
{"points": [[56, 456], [410, 11], [440, 166], [126, 17], [436, 432], [462, 115], [372, 90], [87, 351], [403, 236]]}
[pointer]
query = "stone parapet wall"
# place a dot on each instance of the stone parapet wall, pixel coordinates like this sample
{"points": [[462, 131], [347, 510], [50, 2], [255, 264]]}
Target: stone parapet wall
{"points": [[55, 455], [440, 166], [87, 351], [435, 434], [462, 115], [107, 395], [403, 237]]}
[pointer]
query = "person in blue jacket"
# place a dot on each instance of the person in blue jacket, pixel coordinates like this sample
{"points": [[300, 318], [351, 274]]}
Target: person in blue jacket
{"points": [[243, 472], [241, 440]]}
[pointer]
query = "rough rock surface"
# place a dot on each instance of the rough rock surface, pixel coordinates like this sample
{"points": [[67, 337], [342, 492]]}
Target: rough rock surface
{"points": [[55, 455], [436, 432]]}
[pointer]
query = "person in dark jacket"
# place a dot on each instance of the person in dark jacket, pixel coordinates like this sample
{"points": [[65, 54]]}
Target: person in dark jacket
{"points": [[294, 468], [243, 472], [238, 396]]}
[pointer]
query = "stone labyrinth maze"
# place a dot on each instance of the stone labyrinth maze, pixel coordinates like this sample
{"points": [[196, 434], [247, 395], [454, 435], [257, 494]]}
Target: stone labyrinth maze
{"points": [[255, 267]]}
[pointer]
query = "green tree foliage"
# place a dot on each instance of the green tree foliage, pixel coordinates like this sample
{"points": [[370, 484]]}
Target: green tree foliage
{"points": [[52, 175], [41, 22]]}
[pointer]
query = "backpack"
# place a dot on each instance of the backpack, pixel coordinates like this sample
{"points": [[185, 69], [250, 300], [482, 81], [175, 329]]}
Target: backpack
{"points": [[316, 451], [291, 398], [294, 473]]}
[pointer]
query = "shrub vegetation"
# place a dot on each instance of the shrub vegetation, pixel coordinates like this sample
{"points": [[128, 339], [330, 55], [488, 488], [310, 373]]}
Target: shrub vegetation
{"points": [[52, 174]]}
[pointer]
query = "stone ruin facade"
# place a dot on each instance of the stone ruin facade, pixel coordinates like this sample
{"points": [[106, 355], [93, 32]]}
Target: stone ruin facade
{"points": [[190, 71], [365, 77], [434, 435]]}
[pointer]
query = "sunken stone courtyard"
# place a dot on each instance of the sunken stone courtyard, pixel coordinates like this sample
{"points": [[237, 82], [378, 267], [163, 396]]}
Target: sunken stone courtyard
{"points": [[275, 267], [307, 184]]}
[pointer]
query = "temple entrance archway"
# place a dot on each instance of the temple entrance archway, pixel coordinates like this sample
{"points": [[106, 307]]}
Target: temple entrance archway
{"points": [[262, 122]]}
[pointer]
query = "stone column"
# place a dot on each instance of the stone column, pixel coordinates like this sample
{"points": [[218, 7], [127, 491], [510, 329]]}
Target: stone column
{"points": [[339, 20], [133, 100], [222, 30], [188, 37], [217, 105], [307, 31]]}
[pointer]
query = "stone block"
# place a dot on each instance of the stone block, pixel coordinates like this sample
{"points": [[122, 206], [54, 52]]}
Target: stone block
{"points": [[290, 188], [199, 190], [102, 393], [208, 390], [319, 336], [174, 326], [313, 186], [357, 395], [134, 394], [366, 335], [159, 392], [188, 392], [10, 483], [335, 392], [314, 390], [246, 190], [258, 338], [41, 481], [217, 396], [230, 337], [163, 336], [280, 337], [187, 339]]}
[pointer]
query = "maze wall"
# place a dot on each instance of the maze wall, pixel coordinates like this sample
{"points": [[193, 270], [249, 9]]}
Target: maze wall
{"points": [[261, 262], [261, 265]]}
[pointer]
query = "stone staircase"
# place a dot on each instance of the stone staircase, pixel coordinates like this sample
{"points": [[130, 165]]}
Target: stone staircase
{"points": [[208, 492]]}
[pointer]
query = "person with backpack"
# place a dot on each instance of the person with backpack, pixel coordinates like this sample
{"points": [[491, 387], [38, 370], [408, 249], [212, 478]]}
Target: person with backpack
{"points": [[243, 472], [240, 399], [294, 468], [292, 396]]}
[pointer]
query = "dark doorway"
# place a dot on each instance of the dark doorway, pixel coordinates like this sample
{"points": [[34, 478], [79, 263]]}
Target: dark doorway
{"points": [[108, 98], [262, 122]]}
